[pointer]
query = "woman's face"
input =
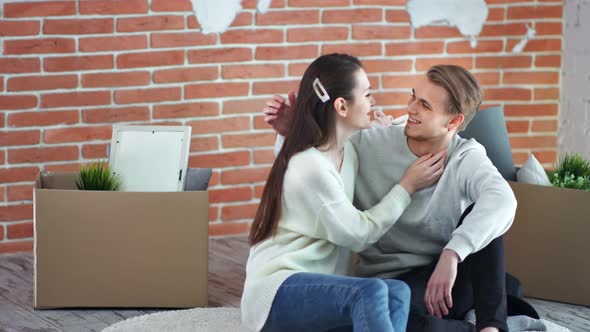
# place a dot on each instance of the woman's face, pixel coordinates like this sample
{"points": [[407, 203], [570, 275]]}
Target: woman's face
{"points": [[359, 109]]}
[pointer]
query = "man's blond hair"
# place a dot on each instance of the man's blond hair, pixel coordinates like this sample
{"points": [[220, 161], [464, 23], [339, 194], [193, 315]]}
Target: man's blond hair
{"points": [[465, 94]]}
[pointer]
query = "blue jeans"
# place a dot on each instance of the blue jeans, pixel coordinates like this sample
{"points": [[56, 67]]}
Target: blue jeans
{"points": [[321, 302]]}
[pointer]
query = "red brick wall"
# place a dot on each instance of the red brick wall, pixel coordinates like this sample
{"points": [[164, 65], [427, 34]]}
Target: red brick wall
{"points": [[70, 69]]}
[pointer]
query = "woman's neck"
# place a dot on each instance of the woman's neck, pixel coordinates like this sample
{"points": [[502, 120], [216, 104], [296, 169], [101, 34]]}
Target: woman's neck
{"points": [[334, 149]]}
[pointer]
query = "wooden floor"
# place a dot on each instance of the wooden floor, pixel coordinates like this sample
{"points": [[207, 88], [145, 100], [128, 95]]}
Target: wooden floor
{"points": [[227, 257]]}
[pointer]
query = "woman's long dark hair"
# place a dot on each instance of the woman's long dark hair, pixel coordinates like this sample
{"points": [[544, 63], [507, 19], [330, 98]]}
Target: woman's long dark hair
{"points": [[314, 123]]}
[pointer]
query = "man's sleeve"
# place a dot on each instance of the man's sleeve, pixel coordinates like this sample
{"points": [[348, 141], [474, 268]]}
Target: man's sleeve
{"points": [[279, 144], [495, 204]]}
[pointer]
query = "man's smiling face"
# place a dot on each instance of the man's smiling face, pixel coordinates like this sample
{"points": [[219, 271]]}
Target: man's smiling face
{"points": [[428, 112]]}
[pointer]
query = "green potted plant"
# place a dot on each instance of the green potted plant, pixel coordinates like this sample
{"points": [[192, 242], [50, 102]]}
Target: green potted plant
{"points": [[97, 175], [573, 172]]}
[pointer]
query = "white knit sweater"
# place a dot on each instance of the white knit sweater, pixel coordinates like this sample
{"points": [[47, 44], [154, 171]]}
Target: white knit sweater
{"points": [[317, 229]]}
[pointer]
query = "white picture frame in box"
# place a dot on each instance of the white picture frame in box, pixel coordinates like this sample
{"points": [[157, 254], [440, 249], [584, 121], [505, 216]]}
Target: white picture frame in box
{"points": [[150, 158]]}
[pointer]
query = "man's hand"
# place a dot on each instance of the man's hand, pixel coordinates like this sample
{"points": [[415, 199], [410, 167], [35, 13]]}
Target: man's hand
{"points": [[380, 120], [279, 113], [438, 297]]}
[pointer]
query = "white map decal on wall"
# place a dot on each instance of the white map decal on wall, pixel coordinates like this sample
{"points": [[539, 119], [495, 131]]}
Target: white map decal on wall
{"points": [[530, 34], [468, 16], [263, 6], [217, 15]]}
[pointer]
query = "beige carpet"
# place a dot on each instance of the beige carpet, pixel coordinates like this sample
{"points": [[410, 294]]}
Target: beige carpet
{"points": [[206, 320], [198, 319]]}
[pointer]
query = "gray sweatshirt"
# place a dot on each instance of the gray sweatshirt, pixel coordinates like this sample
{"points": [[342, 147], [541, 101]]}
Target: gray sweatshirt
{"points": [[429, 223]]}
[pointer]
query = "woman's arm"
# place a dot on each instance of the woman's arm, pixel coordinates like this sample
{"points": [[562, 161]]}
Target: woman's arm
{"points": [[317, 195]]}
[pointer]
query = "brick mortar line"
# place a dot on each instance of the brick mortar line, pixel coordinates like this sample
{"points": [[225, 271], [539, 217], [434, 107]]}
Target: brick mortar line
{"points": [[287, 77], [243, 80], [222, 115], [80, 145], [6, 240], [196, 135], [196, 119], [193, 154], [43, 56], [67, 162], [274, 28]]}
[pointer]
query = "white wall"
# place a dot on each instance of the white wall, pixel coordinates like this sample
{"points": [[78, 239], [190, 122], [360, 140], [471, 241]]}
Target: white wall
{"points": [[574, 126]]}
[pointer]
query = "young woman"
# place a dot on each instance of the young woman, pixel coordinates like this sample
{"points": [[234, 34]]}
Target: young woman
{"points": [[306, 225]]}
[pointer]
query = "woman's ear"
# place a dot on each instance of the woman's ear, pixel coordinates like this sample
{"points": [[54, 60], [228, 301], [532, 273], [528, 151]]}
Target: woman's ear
{"points": [[456, 122], [341, 107]]}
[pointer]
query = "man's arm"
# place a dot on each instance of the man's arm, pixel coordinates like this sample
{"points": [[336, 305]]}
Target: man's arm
{"points": [[491, 217], [437, 297], [495, 206]]}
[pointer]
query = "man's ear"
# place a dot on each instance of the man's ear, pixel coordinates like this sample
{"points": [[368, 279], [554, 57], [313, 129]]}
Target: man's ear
{"points": [[456, 121], [341, 107]]}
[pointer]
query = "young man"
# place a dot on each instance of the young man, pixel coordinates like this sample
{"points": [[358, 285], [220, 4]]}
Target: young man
{"points": [[448, 244]]}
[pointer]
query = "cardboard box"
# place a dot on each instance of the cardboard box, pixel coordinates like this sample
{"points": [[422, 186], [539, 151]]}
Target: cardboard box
{"points": [[118, 249], [547, 247]]}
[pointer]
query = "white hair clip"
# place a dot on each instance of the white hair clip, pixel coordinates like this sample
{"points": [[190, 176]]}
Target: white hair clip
{"points": [[317, 86]]}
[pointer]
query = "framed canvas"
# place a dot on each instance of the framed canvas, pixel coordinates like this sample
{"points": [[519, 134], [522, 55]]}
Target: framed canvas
{"points": [[150, 158]]}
